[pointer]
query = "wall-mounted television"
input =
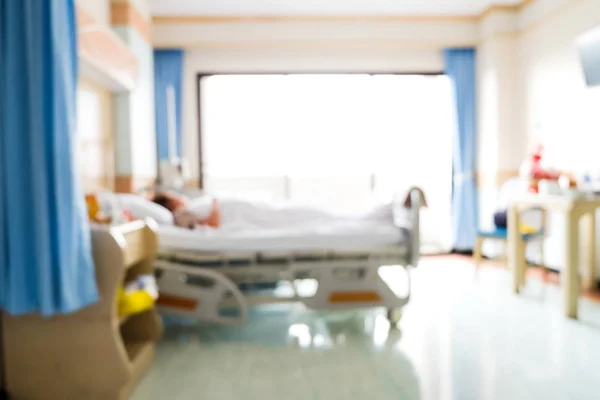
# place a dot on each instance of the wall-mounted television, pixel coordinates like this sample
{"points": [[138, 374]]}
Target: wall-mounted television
{"points": [[589, 51]]}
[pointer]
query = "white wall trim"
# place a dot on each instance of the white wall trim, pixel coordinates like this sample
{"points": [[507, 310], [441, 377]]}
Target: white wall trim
{"points": [[389, 32]]}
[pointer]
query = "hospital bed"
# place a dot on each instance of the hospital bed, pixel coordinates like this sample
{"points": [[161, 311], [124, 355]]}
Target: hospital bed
{"points": [[216, 277]]}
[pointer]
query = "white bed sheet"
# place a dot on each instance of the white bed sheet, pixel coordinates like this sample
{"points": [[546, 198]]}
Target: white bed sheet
{"points": [[334, 236], [244, 214]]}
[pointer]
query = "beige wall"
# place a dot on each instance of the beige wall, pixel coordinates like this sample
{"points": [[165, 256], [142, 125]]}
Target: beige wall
{"points": [[99, 9], [530, 85], [95, 147], [557, 107], [500, 143], [413, 33], [95, 143], [120, 153], [135, 134], [117, 145]]}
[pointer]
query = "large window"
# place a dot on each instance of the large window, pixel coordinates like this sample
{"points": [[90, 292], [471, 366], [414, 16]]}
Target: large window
{"points": [[341, 141]]}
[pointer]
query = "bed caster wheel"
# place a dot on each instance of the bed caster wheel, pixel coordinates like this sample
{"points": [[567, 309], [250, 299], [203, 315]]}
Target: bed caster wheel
{"points": [[394, 315]]}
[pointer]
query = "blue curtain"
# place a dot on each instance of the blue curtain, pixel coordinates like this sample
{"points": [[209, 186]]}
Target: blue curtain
{"points": [[460, 67], [46, 264], [168, 70]]}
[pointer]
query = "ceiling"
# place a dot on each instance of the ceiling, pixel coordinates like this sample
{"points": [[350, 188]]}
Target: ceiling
{"points": [[323, 7]]}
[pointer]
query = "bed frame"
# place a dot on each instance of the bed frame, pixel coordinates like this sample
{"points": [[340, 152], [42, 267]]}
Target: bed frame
{"points": [[219, 287]]}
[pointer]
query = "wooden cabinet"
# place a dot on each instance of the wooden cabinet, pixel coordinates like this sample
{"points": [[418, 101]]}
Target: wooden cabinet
{"points": [[93, 353]]}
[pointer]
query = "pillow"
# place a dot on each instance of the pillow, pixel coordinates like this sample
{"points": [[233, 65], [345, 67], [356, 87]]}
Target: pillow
{"points": [[140, 207], [110, 206]]}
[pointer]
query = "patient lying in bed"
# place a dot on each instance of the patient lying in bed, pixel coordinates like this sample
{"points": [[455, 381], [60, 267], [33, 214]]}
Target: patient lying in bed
{"points": [[235, 214], [185, 217]]}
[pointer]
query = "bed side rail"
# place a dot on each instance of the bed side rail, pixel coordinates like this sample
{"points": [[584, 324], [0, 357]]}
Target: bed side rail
{"points": [[407, 216]]}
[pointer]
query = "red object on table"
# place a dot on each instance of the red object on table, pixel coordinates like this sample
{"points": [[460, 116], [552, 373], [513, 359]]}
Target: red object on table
{"points": [[537, 172]]}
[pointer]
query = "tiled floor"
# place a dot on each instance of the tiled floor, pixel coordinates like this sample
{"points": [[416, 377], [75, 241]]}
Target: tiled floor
{"points": [[462, 337]]}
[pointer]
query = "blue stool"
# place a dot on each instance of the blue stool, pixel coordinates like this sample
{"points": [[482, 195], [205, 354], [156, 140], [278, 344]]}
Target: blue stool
{"points": [[501, 234], [509, 190]]}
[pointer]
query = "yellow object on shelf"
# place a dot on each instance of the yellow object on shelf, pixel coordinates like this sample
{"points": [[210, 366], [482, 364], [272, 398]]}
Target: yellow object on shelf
{"points": [[135, 302], [137, 296]]}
